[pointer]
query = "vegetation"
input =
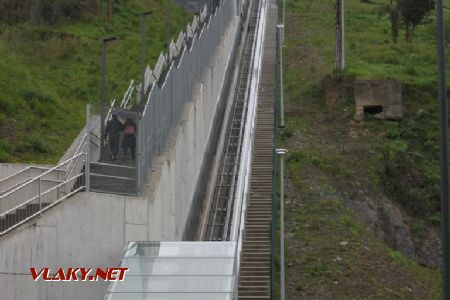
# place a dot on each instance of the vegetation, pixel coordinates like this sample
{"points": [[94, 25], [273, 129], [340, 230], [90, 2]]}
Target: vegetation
{"points": [[49, 72], [335, 163], [46, 11]]}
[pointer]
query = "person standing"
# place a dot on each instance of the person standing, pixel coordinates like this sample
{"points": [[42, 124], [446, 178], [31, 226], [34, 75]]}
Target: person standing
{"points": [[112, 133], [129, 138]]}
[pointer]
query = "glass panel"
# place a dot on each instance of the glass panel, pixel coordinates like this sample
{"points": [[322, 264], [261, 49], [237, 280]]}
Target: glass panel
{"points": [[180, 249], [179, 266], [175, 284]]}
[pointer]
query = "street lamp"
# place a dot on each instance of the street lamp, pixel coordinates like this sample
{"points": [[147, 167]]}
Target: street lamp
{"points": [[281, 153], [105, 42], [143, 15]]}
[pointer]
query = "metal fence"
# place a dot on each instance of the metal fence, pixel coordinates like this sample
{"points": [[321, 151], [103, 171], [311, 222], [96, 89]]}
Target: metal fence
{"points": [[174, 81]]}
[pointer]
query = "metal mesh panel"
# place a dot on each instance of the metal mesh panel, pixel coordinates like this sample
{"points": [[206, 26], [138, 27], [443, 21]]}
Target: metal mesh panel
{"points": [[167, 98]]}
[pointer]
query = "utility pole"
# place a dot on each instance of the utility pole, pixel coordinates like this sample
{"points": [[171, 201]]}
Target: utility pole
{"points": [[340, 39], [443, 118]]}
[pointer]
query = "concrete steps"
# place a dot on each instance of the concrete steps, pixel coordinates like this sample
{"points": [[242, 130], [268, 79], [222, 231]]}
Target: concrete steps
{"points": [[19, 215], [113, 178]]}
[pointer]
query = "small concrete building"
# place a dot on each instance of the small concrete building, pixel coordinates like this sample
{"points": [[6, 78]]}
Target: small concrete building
{"points": [[381, 98]]}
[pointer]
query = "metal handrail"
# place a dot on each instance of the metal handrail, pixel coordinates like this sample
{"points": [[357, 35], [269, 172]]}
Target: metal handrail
{"points": [[22, 171], [42, 209], [80, 149], [40, 176], [26, 180], [127, 95]]}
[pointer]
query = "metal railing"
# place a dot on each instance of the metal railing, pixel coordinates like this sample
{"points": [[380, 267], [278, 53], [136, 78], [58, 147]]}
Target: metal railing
{"points": [[126, 97], [10, 182], [176, 78], [41, 193]]}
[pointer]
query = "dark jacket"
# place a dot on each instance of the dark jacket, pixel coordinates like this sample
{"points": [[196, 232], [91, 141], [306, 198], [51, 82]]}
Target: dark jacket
{"points": [[113, 128]]}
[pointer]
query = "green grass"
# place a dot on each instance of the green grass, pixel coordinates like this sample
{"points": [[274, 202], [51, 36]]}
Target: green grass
{"points": [[49, 73], [334, 160], [412, 145]]}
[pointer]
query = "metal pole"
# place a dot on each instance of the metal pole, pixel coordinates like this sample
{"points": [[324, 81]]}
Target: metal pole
{"points": [[39, 192], [103, 104], [444, 150], [87, 168], [142, 57], [105, 41], [143, 15], [281, 153], [340, 52], [169, 25], [284, 20], [138, 156], [280, 50]]}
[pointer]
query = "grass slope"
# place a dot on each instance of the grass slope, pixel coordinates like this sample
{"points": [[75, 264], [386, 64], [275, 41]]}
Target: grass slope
{"points": [[49, 73], [335, 161]]}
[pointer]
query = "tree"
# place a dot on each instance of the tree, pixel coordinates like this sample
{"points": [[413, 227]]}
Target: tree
{"points": [[391, 9], [412, 13]]}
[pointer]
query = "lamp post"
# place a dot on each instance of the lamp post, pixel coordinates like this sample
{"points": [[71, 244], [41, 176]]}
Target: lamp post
{"points": [[143, 15], [281, 153], [105, 42], [443, 113]]}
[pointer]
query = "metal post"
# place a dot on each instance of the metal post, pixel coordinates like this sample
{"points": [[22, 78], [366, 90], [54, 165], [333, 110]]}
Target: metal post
{"points": [[105, 41], [340, 26], [143, 15], [103, 109], [281, 153], [39, 195], [284, 20], [169, 25], [138, 157], [445, 223], [87, 169], [280, 28]]}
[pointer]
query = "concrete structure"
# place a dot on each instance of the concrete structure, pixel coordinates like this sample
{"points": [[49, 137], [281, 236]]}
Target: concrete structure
{"points": [[92, 229], [382, 98]]}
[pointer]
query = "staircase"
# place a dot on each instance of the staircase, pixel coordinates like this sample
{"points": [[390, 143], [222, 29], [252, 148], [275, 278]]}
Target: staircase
{"points": [[107, 177], [255, 268], [20, 214]]}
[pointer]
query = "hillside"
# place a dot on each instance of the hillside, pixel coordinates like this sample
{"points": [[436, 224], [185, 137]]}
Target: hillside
{"points": [[359, 193], [48, 72]]}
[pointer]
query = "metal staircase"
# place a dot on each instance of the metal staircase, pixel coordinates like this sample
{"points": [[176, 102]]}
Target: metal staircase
{"points": [[255, 267]]}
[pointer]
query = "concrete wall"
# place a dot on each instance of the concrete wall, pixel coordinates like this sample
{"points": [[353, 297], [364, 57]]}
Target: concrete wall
{"points": [[91, 229], [87, 230], [174, 183], [387, 94]]}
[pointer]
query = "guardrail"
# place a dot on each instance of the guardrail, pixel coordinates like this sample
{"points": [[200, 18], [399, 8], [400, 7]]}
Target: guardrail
{"points": [[41, 193]]}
